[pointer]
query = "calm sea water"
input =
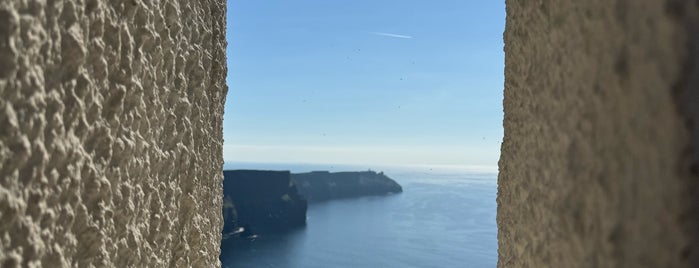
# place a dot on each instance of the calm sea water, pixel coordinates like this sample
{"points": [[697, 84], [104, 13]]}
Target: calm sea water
{"points": [[442, 219]]}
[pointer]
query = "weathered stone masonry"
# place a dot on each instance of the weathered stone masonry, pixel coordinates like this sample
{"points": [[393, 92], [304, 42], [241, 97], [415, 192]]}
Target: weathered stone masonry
{"points": [[111, 132], [599, 159]]}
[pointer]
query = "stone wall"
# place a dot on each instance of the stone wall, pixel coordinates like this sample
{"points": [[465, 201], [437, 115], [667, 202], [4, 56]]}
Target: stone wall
{"points": [[599, 160], [111, 132]]}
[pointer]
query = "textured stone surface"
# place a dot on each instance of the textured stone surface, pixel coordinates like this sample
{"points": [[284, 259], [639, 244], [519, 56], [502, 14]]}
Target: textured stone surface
{"points": [[110, 132], [595, 165]]}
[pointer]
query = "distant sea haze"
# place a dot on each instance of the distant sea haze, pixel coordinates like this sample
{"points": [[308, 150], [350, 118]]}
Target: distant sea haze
{"points": [[440, 220], [472, 170]]}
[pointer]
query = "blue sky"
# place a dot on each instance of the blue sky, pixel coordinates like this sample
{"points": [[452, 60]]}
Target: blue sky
{"points": [[385, 82]]}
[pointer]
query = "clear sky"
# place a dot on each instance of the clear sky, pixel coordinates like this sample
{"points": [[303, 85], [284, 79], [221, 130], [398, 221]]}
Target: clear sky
{"points": [[389, 82]]}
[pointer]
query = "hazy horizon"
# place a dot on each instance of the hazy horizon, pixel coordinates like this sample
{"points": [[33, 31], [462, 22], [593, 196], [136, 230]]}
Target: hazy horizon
{"points": [[343, 167]]}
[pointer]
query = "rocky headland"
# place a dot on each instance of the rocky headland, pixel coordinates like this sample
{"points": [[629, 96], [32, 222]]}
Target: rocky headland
{"points": [[323, 185], [258, 201]]}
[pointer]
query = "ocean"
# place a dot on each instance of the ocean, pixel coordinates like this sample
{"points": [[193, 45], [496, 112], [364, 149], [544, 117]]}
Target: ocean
{"points": [[444, 218]]}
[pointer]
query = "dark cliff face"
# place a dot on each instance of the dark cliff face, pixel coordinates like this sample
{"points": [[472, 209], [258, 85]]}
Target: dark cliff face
{"points": [[261, 201], [322, 185]]}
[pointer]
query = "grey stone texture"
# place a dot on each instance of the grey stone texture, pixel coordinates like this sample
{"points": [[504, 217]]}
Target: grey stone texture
{"points": [[111, 132], [596, 165]]}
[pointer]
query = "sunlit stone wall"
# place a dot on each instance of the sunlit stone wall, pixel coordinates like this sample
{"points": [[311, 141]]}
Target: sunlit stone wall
{"points": [[599, 160], [110, 132]]}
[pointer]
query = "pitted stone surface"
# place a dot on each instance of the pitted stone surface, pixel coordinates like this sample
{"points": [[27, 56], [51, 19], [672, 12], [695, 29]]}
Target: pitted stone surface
{"points": [[111, 132], [594, 166]]}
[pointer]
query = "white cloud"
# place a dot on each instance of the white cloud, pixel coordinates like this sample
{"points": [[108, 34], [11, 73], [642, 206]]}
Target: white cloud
{"points": [[392, 35]]}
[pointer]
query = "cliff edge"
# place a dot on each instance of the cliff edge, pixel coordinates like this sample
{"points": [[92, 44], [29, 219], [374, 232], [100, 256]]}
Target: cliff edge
{"points": [[323, 185], [261, 201]]}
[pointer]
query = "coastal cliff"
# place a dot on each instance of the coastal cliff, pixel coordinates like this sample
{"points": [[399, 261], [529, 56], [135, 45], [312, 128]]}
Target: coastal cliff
{"points": [[323, 185], [261, 201]]}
